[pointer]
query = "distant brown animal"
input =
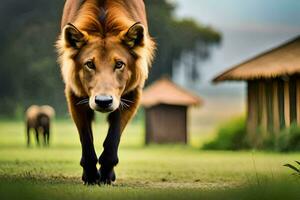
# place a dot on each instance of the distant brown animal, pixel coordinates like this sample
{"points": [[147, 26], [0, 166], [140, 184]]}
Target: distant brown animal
{"points": [[39, 119], [105, 52]]}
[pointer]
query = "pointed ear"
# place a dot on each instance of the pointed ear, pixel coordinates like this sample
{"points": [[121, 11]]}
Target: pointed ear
{"points": [[134, 36], [73, 37]]}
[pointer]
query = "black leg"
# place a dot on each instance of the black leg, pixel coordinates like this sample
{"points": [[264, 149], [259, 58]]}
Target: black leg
{"points": [[82, 116], [46, 135], [37, 136], [28, 135], [89, 158], [48, 138], [109, 157]]}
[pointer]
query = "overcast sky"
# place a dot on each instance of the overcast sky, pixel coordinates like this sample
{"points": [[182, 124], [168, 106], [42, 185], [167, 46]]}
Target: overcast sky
{"points": [[248, 27]]}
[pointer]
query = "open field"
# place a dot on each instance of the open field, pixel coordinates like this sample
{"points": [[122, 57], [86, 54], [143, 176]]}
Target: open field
{"points": [[155, 172]]}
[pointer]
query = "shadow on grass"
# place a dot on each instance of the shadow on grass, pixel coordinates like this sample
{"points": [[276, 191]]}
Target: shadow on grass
{"points": [[59, 187]]}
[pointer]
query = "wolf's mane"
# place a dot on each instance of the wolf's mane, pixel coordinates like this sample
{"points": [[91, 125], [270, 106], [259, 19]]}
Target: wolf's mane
{"points": [[111, 19]]}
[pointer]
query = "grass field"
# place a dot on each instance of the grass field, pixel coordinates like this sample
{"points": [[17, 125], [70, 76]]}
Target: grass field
{"points": [[154, 172]]}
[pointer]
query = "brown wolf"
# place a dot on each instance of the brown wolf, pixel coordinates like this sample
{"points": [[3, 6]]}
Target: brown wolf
{"points": [[39, 119], [105, 52]]}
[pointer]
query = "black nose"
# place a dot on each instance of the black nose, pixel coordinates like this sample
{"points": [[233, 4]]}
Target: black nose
{"points": [[104, 101]]}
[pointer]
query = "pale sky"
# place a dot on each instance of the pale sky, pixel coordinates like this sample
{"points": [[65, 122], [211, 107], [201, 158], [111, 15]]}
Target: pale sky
{"points": [[249, 27], [244, 14]]}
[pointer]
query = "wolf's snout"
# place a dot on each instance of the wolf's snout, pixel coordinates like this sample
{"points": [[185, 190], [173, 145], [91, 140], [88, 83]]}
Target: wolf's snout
{"points": [[104, 101]]}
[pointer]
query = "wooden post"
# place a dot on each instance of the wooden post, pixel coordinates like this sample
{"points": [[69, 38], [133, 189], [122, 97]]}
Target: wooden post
{"points": [[276, 118], [298, 100], [281, 103], [293, 99], [287, 104], [270, 106], [252, 110], [263, 108], [148, 126]]}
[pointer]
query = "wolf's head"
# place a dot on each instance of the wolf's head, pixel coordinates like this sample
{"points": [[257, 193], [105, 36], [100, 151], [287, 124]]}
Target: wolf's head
{"points": [[103, 68]]}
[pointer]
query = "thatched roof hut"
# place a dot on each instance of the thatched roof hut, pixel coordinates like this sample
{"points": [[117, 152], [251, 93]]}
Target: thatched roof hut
{"points": [[280, 61], [166, 106], [273, 88]]}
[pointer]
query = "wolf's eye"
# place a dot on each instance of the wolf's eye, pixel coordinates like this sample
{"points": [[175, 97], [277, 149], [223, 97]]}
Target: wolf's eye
{"points": [[119, 64], [90, 64]]}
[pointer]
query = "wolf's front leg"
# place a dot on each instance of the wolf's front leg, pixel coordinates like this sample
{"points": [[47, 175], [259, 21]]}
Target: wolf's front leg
{"points": [[82, 116], [109, 157], [117, 123]]}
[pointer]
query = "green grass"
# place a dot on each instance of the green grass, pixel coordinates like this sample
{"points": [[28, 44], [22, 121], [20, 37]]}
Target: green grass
{"points": [[155, 172]]}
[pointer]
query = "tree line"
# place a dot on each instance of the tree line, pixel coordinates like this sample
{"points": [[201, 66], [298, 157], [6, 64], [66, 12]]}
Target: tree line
{"points": [[29, 73]]}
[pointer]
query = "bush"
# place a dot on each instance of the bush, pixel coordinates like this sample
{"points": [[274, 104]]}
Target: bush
{"points": [[230, 136], [233, 136], [289, 139]]}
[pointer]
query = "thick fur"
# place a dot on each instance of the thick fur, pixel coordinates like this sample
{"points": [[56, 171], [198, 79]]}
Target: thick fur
{"points": [[106, 24], [39, 119], [119, 16]]}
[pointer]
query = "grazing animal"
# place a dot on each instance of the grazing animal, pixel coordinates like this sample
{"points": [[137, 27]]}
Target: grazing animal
{"points": [[39, 119], [105, 52]]}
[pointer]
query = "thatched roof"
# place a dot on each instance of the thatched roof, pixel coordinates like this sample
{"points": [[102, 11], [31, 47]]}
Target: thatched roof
{"points": [[165, 91], [280, 61]]}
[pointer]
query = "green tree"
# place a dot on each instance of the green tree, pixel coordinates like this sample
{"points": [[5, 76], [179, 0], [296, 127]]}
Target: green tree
{"points": [[176, 38], [29, 73]]}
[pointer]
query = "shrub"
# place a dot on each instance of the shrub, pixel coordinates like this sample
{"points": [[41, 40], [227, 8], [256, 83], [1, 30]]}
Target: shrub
{"points": [[289, 139], [233, 136], [230, 136]]}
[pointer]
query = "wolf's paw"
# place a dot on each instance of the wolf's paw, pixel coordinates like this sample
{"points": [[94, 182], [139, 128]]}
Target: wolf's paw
{"points": [[107, 176], [90, 177]]}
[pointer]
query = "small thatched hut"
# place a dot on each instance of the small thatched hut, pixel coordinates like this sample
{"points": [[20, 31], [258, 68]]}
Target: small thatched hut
{"points": [[273, 88], [166, 106]]}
